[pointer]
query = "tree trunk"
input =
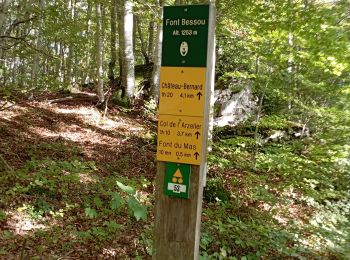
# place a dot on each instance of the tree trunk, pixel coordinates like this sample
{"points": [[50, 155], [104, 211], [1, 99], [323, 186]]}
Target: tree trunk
{"points": [[38, 46], [3, 13], [142, 42], [113, 41], [99, 53], [121, 43], [157, 58], [89, 67], [128, 66], [150, 40], [70, 76]]}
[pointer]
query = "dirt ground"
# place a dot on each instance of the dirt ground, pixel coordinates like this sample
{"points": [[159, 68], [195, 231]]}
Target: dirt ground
{"points": [[117, 147]]}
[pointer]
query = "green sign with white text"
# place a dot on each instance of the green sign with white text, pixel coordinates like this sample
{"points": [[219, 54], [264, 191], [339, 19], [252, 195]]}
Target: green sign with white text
{"points": [[185, 36], [177, 180]]}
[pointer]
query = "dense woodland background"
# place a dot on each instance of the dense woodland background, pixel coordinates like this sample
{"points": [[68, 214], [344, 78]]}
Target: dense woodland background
{"points": [[78, 117]]}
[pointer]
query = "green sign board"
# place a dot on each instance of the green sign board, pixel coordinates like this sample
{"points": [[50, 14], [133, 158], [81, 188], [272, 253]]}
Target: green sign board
{"points": [[185, 36], [177, 180]]}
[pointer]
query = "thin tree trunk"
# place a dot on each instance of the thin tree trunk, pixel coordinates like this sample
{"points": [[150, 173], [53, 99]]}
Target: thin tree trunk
{"points": [[150, 40], [120, 39], [88, 65], [157, 55], [113, 41], [74, 77], [142, 42], [290, 66], [62, 63], [70, 56], [99, 54], [36, 59], [128, 70], [3, 13]]}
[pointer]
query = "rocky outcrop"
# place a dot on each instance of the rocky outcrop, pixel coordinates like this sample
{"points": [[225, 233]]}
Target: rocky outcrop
{"points": [[232, 107]]}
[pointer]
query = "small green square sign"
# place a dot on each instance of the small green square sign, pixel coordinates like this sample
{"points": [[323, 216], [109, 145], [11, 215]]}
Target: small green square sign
{"points": [[177, 180]]}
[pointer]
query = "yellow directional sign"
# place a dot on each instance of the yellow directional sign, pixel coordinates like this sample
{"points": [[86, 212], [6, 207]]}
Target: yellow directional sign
{"points": [[182, 91], [180, 139]]}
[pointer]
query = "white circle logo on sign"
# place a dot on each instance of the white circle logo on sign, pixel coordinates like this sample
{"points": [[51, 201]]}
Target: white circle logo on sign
{"points": [[183, 49]]}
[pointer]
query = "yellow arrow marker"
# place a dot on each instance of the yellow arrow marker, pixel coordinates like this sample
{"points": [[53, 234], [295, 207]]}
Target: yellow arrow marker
{"points": [[177, 177], [178, 174]]}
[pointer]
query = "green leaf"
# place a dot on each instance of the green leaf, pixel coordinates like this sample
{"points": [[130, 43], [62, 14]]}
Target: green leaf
{"points": [[90, 213], [116, 201], [3, 251], [126, 189], [139, 211], [98, 202], [2, 215], [111, 225], [6, 234]]}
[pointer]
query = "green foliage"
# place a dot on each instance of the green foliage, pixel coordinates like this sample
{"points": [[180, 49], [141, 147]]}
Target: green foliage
{"points": [[147, 239], [215, 191], [6, 234], [239, 236], [3, 215], [138, 210], [286, 198], [129, 190], [116, 201], [310, 171], [90, 212], [150, 108], [273, 122], [99, 233], [117, 99]]}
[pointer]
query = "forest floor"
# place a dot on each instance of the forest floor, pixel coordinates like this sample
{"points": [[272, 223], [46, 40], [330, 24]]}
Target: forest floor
{"points": [[76, 184], [62, 164]]}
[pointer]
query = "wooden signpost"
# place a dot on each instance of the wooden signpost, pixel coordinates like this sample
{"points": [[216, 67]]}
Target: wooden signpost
{"points": [[186, 89]]}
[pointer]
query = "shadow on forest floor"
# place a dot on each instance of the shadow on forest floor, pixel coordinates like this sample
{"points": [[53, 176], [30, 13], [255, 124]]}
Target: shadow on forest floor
{"points": [[63, 171], [61, 165]]}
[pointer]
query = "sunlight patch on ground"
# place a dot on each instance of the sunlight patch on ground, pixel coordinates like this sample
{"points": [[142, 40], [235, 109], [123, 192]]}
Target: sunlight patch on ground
{"points": [[291, 213], [290, 210], [76, 134], [72, 136], [86, 178], [12, 112], [109, 252], [92, 115], [91, 112], [20, 223], [42, 131]]}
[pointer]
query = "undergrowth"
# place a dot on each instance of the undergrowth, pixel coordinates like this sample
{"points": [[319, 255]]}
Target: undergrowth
{"points": [[68, 204], [287, 197]]}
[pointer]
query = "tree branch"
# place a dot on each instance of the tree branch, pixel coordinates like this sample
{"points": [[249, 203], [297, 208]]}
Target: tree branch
{"points": [[19, 22], [23, 40], [12, 37]]}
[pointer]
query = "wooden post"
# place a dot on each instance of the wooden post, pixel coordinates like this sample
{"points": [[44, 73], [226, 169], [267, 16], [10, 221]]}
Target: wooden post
{"points": [[177, 224], [177, 220]]}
